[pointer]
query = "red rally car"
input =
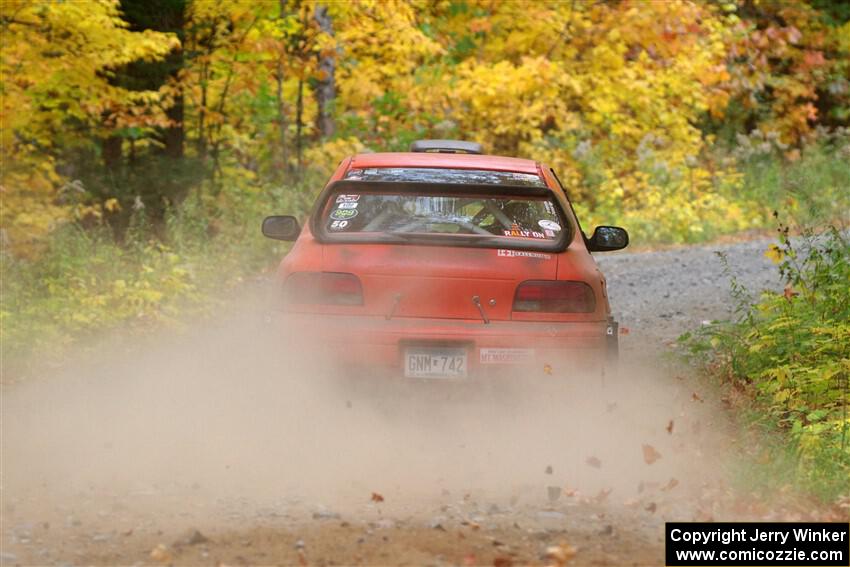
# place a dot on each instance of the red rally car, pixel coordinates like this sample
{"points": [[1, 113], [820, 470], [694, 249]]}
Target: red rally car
{"points": [[445, 263]]}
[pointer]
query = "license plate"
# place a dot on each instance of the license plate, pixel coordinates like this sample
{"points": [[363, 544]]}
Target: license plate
{"points": [[435, 362]]}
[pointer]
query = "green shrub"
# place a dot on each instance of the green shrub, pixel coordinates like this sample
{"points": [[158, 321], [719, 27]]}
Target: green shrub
{"points": [[757, 179], [791, 352], [86, 284]]}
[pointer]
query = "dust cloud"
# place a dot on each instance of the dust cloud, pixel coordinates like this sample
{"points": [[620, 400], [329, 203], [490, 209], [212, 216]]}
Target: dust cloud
{"points": [[228, 419]]}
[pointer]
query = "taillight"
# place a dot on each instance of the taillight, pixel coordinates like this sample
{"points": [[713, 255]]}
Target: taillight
{"points": [[554, 297], [329, 288]]}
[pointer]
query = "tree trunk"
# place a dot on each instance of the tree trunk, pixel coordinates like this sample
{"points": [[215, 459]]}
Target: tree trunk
{"points": [[202, 113], [280, 166], [325, 87], [174, 136], [111, 151], [299, 123]]}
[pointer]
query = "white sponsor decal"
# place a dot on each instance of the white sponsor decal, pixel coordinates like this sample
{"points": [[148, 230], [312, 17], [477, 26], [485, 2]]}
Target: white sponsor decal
{"points": [[347, 198], [348, 205], [551, 225], [344, 214], [505, 355], [522, 254]]}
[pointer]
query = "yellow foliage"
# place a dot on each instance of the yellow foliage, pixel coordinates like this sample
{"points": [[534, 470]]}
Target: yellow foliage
{"points": [[327, 156], [56, 59]]}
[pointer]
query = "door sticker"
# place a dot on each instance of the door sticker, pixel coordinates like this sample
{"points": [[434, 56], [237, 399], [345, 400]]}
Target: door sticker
{"points": [[347, 198], [551, 225]]}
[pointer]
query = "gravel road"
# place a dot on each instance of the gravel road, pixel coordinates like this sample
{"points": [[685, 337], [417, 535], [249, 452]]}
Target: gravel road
{"points": [[198, 450], [664, 293]]}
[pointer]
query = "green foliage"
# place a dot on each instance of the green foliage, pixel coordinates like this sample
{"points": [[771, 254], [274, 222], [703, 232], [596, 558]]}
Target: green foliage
{"points": [[791, 352], [687, 206], [86, 284]]}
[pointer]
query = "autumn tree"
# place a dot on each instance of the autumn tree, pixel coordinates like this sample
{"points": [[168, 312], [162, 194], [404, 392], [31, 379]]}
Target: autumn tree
{"points": [[58, 66]]}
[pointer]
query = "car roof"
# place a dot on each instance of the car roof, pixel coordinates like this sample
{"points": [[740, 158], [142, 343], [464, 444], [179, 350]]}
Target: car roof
{"points": [[444, 160]]}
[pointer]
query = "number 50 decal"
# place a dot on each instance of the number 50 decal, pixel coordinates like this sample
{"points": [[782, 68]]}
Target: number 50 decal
{"points": [[339, 224]]}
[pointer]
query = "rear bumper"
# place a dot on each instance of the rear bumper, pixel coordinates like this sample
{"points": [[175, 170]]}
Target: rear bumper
{"points": [[377, 343]]}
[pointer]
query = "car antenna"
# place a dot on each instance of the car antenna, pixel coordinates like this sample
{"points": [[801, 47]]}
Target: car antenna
{"points": [[477, 301]]}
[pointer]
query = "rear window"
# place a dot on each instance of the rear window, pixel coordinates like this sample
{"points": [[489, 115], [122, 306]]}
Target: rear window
{"points": [[479, 218], [441, 175]]}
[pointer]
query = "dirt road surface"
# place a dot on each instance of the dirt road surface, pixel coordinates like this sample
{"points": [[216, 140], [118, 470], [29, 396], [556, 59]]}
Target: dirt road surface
{"points": [[216, 447]]}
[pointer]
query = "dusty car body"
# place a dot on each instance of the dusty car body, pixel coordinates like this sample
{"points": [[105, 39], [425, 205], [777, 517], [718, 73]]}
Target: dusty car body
{"points": [[445, 263]]}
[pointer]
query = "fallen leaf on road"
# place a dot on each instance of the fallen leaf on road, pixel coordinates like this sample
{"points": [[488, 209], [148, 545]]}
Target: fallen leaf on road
{"points": [[501, 561], [669, 427], [377, 497], [161, 554], [651, 508], [594, 462], [673, 483], [547, 369], [570, 492], [650, 455], [603, 495], [560, 554], [696, 398]]}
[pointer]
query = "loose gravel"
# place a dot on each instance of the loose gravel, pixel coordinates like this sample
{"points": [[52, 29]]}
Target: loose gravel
{"points": [[663, 294]]}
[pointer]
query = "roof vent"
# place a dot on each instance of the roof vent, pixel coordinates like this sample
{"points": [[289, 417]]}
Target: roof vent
{"points": [[446, 147]]}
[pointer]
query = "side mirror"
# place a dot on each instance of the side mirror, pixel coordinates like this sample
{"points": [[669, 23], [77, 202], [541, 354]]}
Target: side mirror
{"points": [[281, 227], [607, 238]]}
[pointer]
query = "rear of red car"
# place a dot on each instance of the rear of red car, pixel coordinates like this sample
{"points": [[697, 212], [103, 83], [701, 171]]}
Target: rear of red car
{"points": [[446, 266]]}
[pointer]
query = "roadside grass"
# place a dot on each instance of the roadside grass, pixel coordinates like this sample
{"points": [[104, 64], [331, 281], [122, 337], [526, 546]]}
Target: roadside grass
{"points": [[812, 190], [788, 354]]}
